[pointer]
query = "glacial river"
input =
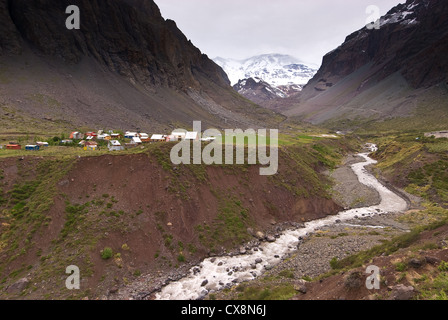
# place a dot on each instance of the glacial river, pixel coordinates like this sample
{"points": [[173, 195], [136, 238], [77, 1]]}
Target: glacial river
{"points": [[216, 273]]}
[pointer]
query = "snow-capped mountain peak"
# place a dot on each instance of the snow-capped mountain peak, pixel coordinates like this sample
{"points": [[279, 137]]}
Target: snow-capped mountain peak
{"points": [[275, 69]]}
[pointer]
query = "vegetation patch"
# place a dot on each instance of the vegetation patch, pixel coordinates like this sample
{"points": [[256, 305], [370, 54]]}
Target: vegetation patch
{"points": [[107, 253], [387, 248], [416, 163], [28, 203], [229, 227]]}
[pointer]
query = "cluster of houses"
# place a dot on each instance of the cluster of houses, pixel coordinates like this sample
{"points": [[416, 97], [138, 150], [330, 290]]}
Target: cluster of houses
{"points": [[90, 140], [29, 147], [173, 137]]}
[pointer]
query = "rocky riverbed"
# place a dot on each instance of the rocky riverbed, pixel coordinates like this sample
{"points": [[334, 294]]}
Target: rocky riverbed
{"points": [[347, 190], [341, 239], [312, 257]]}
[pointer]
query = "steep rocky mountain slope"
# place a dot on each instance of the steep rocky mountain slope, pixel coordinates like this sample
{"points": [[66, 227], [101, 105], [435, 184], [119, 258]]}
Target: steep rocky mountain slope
{"points": [[126, 67], [382, 73]]}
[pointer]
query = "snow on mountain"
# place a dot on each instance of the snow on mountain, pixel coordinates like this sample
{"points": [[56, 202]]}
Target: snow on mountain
{"points": [[275, 69], [404, 14], [256, 88]]}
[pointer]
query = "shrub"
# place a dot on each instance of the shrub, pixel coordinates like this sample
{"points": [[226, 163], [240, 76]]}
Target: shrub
{"points": [[401, 266], [287, 274], [107, 253], [443, 266], [137, 273], [334, 264], [307, 278]]}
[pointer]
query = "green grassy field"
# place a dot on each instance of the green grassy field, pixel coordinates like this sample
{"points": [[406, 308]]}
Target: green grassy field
{"points": [[70, 151], [284, 139]]}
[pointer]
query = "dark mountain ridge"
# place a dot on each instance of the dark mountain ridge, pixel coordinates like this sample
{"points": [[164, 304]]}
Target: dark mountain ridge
{"points": [[378, 73], [411, 39], [153, 58]]}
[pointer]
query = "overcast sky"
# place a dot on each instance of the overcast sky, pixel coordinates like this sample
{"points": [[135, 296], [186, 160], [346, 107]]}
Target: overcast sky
{"points": [[306, 29]]}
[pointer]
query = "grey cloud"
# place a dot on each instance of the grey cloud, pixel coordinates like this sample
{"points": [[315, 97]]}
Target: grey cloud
{"points": [[240, 29]]}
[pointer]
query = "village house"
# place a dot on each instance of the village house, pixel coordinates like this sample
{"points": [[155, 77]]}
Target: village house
{"points": [[192, 136], [144, 137], [115, 145], [130, 135], [32, 147], [13, 146], [90, 145], [76, 135], [178, 135], [130, 145], [91, 134], [42, 144], [170, 138], [103, 136], [136, 140], [158, 138]]}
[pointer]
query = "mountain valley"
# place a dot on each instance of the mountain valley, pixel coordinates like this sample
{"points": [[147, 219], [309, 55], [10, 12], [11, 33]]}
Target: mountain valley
{"points": [[140, 227]]}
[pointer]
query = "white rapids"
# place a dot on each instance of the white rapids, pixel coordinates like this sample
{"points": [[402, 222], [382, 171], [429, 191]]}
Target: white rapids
{"points": [[217, 273]]}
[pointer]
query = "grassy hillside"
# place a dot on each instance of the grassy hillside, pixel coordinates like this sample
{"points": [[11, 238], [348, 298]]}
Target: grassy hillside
{"points": [[417, 164]]}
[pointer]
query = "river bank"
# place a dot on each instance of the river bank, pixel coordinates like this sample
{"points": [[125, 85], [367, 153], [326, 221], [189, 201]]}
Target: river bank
{"points": [[215, 274], [303, 251], [336, 241]]}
